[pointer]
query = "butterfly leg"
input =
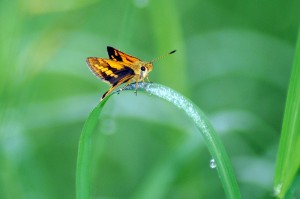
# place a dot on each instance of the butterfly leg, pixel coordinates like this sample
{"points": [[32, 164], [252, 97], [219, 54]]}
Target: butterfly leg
{"points": [[136, 84], [136, 88], [148, 80], [125, 86]]}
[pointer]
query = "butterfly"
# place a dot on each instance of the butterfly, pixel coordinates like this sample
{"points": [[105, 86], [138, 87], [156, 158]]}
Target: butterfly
{"points": [[120, 68]]}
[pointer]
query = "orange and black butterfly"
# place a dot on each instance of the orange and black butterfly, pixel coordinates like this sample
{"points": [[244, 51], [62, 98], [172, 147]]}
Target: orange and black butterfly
{"points": [[120, 68]]}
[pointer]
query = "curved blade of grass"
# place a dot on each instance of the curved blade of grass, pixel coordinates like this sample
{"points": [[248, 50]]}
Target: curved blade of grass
{"points": [[212, 140], [288, 157], [84, 156]]}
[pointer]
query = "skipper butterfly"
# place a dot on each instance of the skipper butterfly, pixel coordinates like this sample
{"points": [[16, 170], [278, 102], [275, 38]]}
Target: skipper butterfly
{"points": [[120, 68]]}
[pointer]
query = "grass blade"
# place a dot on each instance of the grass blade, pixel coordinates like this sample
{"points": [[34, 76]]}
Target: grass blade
{"points": [[212, 140], [84, 157], [288, 157]]}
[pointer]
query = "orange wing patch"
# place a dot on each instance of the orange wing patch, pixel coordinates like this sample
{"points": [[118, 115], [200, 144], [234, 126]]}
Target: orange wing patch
{"points": [[109, 70]]}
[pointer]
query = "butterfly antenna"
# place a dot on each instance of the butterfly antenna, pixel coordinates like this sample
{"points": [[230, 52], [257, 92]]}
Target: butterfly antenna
{"points": [[162, 56]]}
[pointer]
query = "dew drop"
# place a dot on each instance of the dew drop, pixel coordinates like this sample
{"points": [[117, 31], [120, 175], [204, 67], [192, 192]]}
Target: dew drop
{"points": [[277, 190], [212, 164]]}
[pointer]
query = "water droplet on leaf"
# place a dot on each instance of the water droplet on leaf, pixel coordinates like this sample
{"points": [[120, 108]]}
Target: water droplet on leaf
{"points": [[277, 189], [212, 164]]}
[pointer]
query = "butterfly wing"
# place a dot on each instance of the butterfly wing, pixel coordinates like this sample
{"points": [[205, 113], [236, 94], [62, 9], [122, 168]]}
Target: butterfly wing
{"points": [[117, 55], [112, 72]]}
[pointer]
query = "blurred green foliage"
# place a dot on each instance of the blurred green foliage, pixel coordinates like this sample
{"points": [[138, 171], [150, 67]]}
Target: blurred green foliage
{"points": [[234, 60]]}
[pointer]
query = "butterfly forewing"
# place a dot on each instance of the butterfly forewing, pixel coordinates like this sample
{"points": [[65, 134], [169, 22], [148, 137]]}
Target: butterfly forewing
{"points": [[113, 72], [117, 55]]}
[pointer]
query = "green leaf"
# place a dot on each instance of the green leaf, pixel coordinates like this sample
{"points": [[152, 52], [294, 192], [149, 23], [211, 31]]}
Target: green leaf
{"points": [[212, 140]]}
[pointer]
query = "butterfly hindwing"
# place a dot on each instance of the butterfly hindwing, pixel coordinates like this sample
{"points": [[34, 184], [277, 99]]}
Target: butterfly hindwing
{"points": [[117, 55], [113, 72]]}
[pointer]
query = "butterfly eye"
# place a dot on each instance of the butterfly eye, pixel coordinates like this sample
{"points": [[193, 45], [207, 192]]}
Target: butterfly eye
{"points": [[143, 68]]}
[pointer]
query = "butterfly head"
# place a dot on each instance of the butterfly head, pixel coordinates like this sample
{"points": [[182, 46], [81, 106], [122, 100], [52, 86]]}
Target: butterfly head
{"points": [[145, 69]]}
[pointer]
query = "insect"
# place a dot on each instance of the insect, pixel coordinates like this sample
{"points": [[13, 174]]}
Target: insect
{"points": [[120, 68]]}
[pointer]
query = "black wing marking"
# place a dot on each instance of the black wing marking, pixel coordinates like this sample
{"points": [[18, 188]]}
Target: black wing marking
{"points": [[117, 55], [113, 54], [121, 74]]}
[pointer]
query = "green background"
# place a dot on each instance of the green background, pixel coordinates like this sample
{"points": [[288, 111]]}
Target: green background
{"points": [[233, 60]]}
